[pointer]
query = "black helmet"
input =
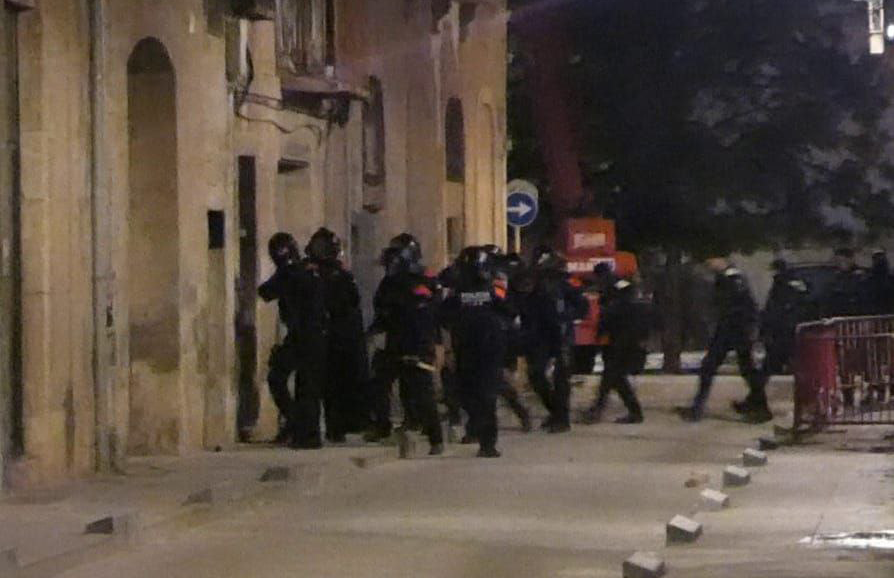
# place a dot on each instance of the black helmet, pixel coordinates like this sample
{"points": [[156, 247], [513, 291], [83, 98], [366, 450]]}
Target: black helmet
{"points": [[283, 249], [390, 260], [493, 250], [409, 246], [476, 265], [324, 245], [545, 257]]}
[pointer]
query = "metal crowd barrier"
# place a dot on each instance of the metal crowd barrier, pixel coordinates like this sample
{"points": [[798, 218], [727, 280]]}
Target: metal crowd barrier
{"points": [[844, 372]]}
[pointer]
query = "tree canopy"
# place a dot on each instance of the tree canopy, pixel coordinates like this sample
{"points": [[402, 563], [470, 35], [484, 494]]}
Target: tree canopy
{"points": [[724, 124]]}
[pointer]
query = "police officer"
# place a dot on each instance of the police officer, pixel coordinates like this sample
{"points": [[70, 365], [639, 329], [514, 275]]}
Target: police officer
{"points": [[788, 304], [347, 374], [405, 310], [298, 289], [505, 269], [626, 325], [736, 329], [480, 344], [879, 286], [548, 315], [845, 294]]}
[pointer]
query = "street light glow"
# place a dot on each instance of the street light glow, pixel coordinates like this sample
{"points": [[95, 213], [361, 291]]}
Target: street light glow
{"points": [[889, 31]]}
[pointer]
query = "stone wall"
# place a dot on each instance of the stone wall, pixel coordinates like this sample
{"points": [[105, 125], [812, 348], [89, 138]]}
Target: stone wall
{"points": [[131, 134]]}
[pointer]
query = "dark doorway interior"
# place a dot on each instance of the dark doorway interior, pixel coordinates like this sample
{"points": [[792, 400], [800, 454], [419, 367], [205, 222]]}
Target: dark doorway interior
{"points": [[11, 402], [246, 300]]}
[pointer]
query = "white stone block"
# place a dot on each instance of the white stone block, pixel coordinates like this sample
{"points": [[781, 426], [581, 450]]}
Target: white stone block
{"points": [[682, 530], [754, 458], [734, 476], [643, 565], [713, 501]]}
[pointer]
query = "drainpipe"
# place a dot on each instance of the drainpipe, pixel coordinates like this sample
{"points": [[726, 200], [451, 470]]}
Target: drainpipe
{"points": [[100, 206]]}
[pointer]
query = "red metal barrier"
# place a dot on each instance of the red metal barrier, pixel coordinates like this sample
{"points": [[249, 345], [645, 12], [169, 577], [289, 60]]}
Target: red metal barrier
{"points": [[844, 372]]}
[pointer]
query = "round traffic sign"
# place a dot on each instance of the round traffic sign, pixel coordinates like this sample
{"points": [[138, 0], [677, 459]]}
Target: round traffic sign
{"points": [[521, 208]]}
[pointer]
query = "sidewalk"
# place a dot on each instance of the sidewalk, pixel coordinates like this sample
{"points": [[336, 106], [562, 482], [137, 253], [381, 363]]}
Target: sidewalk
{"points": [[46, 527]]}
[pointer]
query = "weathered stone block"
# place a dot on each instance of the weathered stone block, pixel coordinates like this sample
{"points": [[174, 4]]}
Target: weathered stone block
{"points": [[768, 444], [713, 501], [372, 461], [643, 565], [734, 476], [683, 530], [121, 525], [277, 474], [754, 458], [203, 496]]}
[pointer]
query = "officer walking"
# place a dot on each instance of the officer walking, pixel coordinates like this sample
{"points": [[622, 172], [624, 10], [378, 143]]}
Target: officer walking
{"points": [[626, 325], [345, 396], [479, 342], [298, 289], [548, 315], [735, 330], [788, 304], [405, 305]]}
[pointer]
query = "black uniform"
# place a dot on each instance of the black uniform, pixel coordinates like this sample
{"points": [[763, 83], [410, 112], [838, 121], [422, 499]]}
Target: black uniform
{"points": [[405, 310], [626, 323], [736, 328], [845, 296], [346, 396], [480, 346], [788, 304], [878, 287], [299, 291], [548, 314]]}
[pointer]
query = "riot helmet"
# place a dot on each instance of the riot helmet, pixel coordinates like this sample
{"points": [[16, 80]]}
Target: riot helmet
{"points": [[475, 265], [409, 246], [545, 257], [283, 249], [324, 245]]}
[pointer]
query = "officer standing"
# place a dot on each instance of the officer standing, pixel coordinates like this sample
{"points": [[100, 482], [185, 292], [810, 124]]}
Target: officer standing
{"points": [[879, 285], [299, 291], [405, 304], [736, 329], [626, 325], [347, 376], [548, 315], [479, 338]]}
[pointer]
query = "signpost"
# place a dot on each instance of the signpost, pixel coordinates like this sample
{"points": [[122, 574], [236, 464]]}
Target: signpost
{"points": [[522, 206]]}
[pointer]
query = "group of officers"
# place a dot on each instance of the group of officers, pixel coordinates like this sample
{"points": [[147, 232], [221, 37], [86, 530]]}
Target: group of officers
{"points": [[851, 291], [486, 310]]}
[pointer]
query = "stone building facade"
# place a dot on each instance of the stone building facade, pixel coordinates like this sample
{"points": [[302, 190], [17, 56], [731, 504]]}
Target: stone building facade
{"points": [[151, 147]]}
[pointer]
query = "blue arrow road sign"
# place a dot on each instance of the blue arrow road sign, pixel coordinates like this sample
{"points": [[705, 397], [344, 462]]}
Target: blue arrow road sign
{"points": [[521, 209]]}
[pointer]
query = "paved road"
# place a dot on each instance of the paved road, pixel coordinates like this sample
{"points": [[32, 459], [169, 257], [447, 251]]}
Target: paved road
{"points": [[573, 505]]}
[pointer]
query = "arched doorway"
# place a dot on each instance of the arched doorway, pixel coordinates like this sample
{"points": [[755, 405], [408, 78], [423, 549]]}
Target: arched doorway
{"points": [[455, 170], [153, 252]]}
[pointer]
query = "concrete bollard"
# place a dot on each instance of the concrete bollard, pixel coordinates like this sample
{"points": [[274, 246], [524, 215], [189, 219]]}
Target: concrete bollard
{"points": [[203, 496], [767, 444], [714, 501], [125, 526], [643, 565], [367, 462], [683, 530], [734, 476], [277, 474], [753, 458]]}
